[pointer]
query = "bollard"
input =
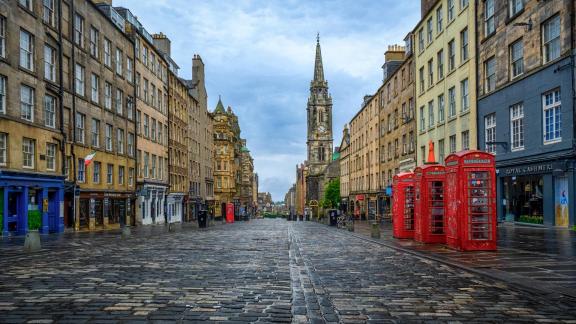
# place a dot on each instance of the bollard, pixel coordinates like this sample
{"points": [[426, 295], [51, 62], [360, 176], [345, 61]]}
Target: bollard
{"points": [[375, 233], [126, 232], [350, 225], [32, 242], [171, 227]]}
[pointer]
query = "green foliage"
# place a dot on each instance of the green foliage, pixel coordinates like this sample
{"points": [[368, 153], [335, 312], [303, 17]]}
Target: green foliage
{"points": [[331, 194], [531, 219], [34, 220]]}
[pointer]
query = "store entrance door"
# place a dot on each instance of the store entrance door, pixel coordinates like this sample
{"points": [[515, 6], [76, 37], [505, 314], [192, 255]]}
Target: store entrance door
{"points": [[561, 201]]}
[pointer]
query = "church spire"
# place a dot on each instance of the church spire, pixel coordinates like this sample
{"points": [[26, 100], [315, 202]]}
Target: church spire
{"points": [[318, 68]]}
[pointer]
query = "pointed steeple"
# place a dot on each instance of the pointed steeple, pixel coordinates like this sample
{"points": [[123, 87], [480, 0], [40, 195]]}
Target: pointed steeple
{"points": [[219, 107], [318, 68]]}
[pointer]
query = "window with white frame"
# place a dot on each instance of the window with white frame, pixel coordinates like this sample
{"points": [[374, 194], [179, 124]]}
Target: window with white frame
{"points": [[80, 127], [441, 105], [517, 127], [138, 122], [50, 157], [490, 74], [49, 111], [464, 92], [138, 85], [451, 102], [81, 171], [96, 172], [48, 12], [440, 64], [145, 91], [79, 82], [464, 45], [26, 103], [465, 140], [490, 133], [108, 96], [26, 4], [422, 119], [153, 169], [131, 176], [130, 144], [94, 42], [3, 148], [514, 7], [95, 133], [26, 50], [119, 61], [421, 40], [119, 101], [49, 63], [95, 88], [153, 129], [107, 52], [439, 20], [130, 107], [552, 117], [430, 30], [108, 137], [79, 30], [516, 58], [430, 114], [452, 143], [489, 18], [28, 148], [129, 69], [421, 75], [146, 164], [450, 10], [2, 94], [120, 140], [2, 36], [145, 55], [146, 123], [463, 4], [451, 55], [110, 173], [551, 39], [430, 73], [441, 153], [120, 174]]}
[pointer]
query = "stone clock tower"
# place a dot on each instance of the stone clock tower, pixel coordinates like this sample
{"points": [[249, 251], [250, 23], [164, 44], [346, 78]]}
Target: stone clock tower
{"points": [[319, 120]]}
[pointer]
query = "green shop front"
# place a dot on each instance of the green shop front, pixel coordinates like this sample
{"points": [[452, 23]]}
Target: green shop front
{"points": [[538, 193]]}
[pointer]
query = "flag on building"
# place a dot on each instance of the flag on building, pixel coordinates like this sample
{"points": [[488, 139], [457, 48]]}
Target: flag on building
{"points": [[88, 159]]}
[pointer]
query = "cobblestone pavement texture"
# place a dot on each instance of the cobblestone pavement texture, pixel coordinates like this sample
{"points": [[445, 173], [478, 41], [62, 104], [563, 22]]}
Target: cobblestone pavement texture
{"points": [[257, 271]]}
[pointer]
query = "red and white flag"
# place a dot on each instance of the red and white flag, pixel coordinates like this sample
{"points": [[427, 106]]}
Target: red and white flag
{"points": [[88, 159]]}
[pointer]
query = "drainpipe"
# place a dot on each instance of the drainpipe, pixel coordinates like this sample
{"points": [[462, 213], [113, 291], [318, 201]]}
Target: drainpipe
{"points": [[73, 121], [61, 90]]}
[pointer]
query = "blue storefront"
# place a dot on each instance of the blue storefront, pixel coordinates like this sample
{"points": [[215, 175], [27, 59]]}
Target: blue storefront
{"points": [[31, 202], [529, 125]]}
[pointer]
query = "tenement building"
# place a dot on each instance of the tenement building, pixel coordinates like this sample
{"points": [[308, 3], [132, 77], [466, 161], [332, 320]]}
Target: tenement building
{"points": [[32, 134], [363, 159], [526, 107], [99, 114], [344, 162], [247, 204], [397, 124], [445, 68], [319, 133]]}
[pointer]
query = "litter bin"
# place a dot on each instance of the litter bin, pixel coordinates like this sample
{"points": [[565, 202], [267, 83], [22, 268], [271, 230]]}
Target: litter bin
{"points": [[333, 218], [202, 219]]}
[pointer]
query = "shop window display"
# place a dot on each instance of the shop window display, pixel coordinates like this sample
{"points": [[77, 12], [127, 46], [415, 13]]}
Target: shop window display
{"points": [[524, 199]]}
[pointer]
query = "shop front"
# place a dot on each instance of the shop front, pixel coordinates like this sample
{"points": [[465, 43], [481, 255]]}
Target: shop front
{"points": [[540, 193], [175, 207], [105, 210], [151, 200], [31, 202]]}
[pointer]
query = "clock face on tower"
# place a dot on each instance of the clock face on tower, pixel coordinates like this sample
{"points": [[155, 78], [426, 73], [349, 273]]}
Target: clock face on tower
{"points": [[321, 129]]}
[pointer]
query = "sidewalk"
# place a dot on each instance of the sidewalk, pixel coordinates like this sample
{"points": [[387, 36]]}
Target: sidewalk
{"points": [[531, 257]]}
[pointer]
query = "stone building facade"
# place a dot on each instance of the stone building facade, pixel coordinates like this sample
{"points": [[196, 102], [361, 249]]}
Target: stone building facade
{"points": [[526, 107], [247, 204], [445, 84], [344, 169]]}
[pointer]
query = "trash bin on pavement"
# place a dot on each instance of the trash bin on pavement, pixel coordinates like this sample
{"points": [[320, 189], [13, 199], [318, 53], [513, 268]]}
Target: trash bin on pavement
{"points": [[202, 219]]}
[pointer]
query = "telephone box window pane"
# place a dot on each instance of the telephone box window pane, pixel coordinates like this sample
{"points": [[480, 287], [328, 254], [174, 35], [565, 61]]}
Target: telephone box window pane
{"points": [[409, 208], [479, 205], [436, 207]]}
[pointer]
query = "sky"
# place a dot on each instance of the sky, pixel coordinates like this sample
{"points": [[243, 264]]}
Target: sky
{"points": [[259, 57]]}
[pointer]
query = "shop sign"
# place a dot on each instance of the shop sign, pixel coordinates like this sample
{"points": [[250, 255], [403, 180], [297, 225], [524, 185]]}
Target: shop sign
{"points": [[529, 169], [359, 197]]}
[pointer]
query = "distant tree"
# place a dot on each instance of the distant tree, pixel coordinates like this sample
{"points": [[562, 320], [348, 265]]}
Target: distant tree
{"points": [[332, 194]]}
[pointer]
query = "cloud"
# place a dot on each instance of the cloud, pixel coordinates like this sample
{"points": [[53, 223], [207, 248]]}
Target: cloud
{"points": [[259, 56]]}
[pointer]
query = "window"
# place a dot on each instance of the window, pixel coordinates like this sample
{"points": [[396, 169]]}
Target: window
{"points": [[79, 79], [452, 143], [430, 73], [81, 171], [121, 174], [153, 130], [421, 79], [423, 153], [429, 28], [441, 106], [516, 58], [129, 69], [48, 12], [26, 4], [463, 4], [489, 18], [441, 152], [119, 101], [130, 144], [26, 50], [95, 86], [130, 176], [450, 10], [3, 148], [440, 63], [422, 119], [430, 114], [2, 36], [421, 40], [138, 85], [80, 127], [28, 153], [138, 122], [108, 137], [145, 90], [464, 45], [514, 7], [153, 169], [95, 133], [146, 123], [108, 96], [49, 63], [119, 60], [451, 102], [107, 52], [439, 21], [451, 55], [79, 30], [110, 173], [159, 132], [145, 55], [94, 42], [464, 94], [146, 163], [551, 39], [490, 133], [465, 140], [49, 111], [404, 145], [50, 156], [96, 172], [130, 107], [552, 117], [27, 103], [160, 168], [2, 94], [490, 74], [120, 141], [153, 97]]}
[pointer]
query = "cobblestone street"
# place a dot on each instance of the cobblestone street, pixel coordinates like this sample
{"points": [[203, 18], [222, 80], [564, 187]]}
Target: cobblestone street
{"points": [[257, 271]]}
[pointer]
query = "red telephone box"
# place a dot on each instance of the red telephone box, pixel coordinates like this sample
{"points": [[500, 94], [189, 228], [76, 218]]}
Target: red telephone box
{"points": [[471, 207], [229, 213], [429, 212], [403, 205]]}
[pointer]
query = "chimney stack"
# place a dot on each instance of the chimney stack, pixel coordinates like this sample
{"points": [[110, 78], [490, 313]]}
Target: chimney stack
{"points": [[426, 5], [162, 43]]}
